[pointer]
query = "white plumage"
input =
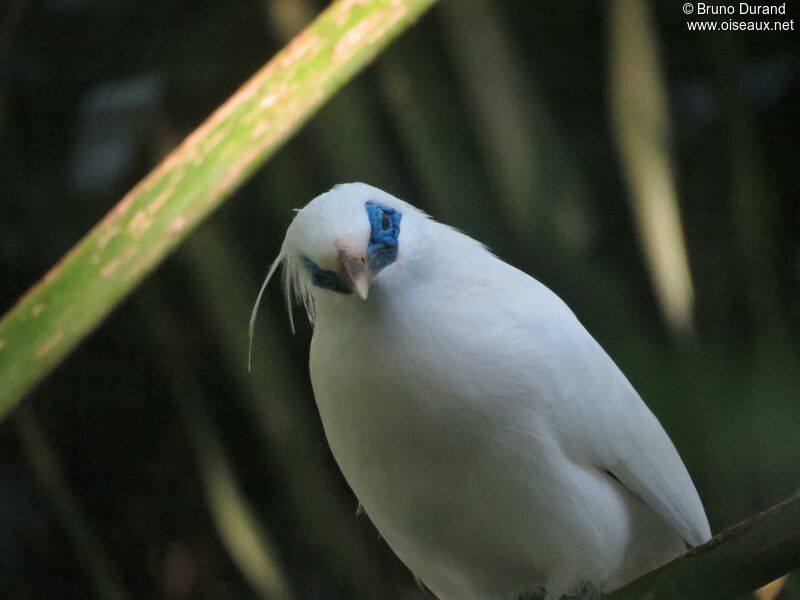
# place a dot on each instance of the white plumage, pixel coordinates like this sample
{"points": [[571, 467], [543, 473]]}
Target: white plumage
{"points": [[494, 444]]}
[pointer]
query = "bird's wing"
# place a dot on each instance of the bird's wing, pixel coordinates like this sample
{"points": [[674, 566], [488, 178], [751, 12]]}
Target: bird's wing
{"points": [[602, 421]]}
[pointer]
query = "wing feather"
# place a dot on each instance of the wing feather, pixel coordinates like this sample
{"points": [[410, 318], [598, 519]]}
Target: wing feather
{"points": [[603, 422]]}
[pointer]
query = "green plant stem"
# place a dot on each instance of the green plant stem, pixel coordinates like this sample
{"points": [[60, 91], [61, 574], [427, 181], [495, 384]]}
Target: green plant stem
{"points": [[642, 127], [536, 183], [249, 543], [59, 311], [50, 477]]}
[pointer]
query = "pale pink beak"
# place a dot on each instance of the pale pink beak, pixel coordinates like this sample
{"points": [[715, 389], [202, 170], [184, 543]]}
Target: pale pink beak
{"points": [[355, 265]]}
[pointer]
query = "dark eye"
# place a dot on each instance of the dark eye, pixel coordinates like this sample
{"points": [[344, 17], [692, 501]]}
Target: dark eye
{"points": [[386, 222]]}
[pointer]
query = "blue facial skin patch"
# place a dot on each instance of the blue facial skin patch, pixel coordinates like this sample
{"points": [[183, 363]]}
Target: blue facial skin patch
{"points": [[385, 229], [328, 280]]}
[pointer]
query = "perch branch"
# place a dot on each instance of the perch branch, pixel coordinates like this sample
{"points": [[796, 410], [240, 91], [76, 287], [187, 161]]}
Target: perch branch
{"points": [[737, 561]]}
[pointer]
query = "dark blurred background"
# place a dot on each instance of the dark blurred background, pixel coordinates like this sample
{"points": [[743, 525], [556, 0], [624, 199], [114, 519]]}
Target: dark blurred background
{"points": [[648, 174]]}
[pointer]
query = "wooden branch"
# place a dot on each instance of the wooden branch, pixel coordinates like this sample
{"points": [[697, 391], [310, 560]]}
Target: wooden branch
{"points": [[141, 230], [737, 561]]}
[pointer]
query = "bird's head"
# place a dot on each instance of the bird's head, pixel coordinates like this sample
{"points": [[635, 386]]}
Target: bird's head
{"points": [[343, 239], [340, 242]]}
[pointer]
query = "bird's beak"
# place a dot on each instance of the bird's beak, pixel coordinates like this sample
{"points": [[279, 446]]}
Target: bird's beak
{"points": [[355, 265]]}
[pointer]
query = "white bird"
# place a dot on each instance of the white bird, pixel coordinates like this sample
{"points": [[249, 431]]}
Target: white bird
{"points": [[494, 444]]}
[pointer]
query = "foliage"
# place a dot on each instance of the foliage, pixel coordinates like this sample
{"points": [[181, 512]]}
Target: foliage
{"points": [[172, 472], [169, 203]]}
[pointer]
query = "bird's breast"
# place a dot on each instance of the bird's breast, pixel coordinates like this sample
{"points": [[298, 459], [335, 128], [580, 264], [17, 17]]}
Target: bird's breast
{"points": [[379, 402], [417, 419]]}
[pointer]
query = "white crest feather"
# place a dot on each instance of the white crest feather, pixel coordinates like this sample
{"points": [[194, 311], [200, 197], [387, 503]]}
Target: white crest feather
{"points": [[296, 289], [273, 267]]}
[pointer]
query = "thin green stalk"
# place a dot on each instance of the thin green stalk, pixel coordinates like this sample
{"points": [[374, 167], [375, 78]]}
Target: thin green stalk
{"points": [[752, 204], [533, 172], [436, 146], [50, 320], [643, 130], [249, 543], [50, 477]]}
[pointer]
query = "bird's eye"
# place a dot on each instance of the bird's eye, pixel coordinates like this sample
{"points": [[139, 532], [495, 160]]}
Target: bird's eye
{"points": [[384, 225]]}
